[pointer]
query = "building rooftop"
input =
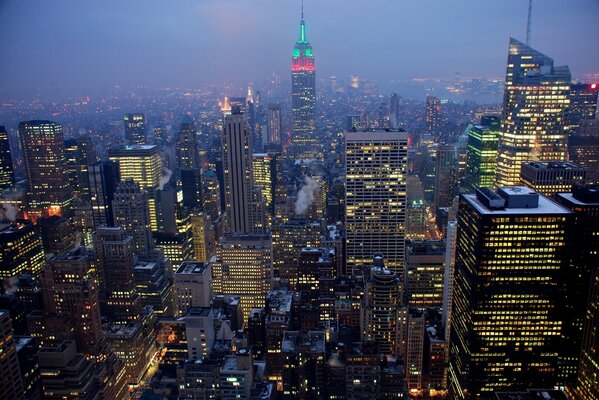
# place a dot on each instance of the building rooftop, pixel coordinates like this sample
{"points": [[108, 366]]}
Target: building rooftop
{"points": [[551, 165], [306, 341], [192, 267], [582, 195], [366, 135], [199, 311], [510, 207], [279, 301], [532, 394]]}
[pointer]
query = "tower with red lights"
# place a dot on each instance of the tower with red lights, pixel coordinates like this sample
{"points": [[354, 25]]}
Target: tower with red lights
{"points": [[303, 97]]}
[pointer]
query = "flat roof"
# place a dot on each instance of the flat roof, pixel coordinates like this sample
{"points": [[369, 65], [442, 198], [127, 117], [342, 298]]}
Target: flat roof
{"points": [[362, 136], [570, 197], [192, 267], [546, 206]]}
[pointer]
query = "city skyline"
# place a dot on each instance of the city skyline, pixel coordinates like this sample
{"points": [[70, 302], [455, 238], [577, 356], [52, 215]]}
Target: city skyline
{"points": [[126, 44]]}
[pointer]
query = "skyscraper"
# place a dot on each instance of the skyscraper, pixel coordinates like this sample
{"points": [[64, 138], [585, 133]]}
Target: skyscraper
{"points": [[243, 268], [445, 176], [240, 198], [131, 212], [508, 313], [7, 174], [434, 116], [11, 386], [187, 145], [482, 153], [274, 123], [549, 178], [583, 104], [135, 129], [535, 105], [21, 250], [43, 154], [382, 300], [103, 180], [71, 291], [394, 111], [115, 263], [376, 165], [143, 164], [303, 97]]}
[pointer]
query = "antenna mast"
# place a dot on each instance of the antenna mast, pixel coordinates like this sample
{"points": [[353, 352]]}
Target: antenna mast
{"points": [[302, 10], [527, 25]]}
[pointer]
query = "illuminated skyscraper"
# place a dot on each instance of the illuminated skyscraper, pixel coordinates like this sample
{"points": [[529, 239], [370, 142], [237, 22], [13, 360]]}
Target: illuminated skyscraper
{"points": [[425, 267], [508, 313], [21, 250], [135, 129], [187, 145], [583, 104], [7, 174], [265, 177], [482, 153], [549, 178], [376, 165], [275, 125], [535, 105], [303, 97], [434, 116], [588, 384], [43, 154], [243, 268], [143, 164]]}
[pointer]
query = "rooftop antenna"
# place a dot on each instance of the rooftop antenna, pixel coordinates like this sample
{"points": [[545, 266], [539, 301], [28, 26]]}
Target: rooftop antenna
{"points": [[527, 25], [302, 10]]}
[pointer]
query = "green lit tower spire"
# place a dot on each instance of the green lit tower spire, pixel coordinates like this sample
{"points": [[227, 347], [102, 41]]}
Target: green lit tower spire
{"points": [[303, 97]]}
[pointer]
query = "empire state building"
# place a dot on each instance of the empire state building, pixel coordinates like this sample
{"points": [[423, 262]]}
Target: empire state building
{"points": [[303, 97]]}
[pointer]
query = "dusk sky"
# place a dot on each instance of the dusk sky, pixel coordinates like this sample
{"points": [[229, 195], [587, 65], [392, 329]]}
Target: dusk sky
{"points": [[101, 43]]}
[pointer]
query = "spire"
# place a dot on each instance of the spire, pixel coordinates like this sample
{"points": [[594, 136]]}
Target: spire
{"points": [[302, 38]]}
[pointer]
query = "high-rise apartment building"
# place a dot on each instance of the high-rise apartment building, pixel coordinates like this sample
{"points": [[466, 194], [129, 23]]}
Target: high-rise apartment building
{"points": [[11, 382], [79, 153], [243, 268], [375, 195], [143, 164], [588, 385], [549, 178], [131, 212], [535, 105], [7, 174], [303, 97], [274, 124], [103, 180], [481, 161], [508, 313], [43, 155], [135, 129], [265, 177]]}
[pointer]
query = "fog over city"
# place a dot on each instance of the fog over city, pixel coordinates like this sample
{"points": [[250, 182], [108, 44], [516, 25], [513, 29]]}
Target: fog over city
{"points": [[97, 44]]}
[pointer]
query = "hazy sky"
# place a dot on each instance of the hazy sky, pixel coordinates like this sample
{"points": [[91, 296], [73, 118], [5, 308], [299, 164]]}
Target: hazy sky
{"points": [[100, 43]]}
